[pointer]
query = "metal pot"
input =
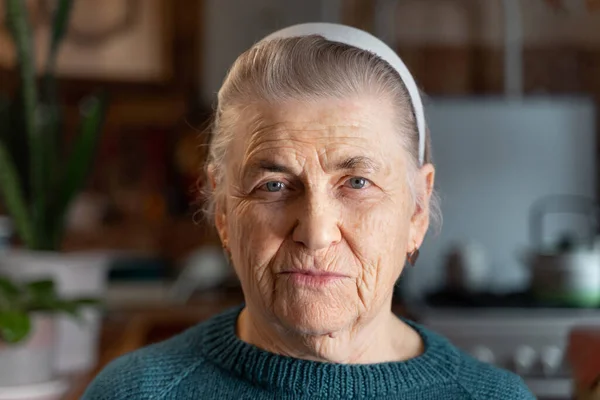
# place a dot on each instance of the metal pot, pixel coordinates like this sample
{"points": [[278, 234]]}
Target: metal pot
{"points": [[567, 273]]}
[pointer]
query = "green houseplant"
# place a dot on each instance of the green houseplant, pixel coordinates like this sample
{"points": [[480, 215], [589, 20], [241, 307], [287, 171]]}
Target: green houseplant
{"points": [[42, 170], [38, 178], [19, 301], [27, 329]]}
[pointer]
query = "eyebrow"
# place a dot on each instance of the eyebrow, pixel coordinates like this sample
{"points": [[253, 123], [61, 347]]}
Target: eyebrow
{"points": [[271, 166], [358, 162], [259, 166], [348, 164]]}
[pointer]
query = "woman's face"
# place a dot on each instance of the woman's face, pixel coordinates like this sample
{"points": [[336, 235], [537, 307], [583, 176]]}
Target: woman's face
{"points": [[317, 212]]}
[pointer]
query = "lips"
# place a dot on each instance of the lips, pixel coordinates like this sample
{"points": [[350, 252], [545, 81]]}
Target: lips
{"points": [[315, 273], [312, 278]]}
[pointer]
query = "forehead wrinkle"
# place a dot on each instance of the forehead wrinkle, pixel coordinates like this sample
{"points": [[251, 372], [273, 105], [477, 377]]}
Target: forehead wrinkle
{"points": [[267, 119], [280, 135], [285, 134], [361, 111], [271, 146], [331, 157], [273, 130]]}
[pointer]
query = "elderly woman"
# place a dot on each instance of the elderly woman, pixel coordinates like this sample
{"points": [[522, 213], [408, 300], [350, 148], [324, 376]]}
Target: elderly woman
{"points": [[321, 188]]}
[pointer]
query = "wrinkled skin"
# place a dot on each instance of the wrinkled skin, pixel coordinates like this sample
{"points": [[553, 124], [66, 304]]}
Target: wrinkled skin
{"points": [[322, 187]]}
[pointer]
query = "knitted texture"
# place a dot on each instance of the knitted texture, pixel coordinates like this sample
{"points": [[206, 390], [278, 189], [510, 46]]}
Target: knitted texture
{"points": [[209, 361]]}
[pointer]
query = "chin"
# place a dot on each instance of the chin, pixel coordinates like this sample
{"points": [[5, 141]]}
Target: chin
{"points": [[314, 316]]}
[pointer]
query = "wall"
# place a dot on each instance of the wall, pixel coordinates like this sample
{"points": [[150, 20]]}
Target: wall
{"points": [[232, 26], [452, 46], [481, 23], [455, 47], [131, 47]]}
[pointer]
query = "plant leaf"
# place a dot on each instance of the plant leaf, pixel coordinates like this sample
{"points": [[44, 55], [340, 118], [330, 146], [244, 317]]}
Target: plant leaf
{"points": [[12, 192], [8, 288], [82, 155], [83, 302], [18, 22], [16, 141], [69, 308], [73, 307], [53, 126], [9, 295], [4, 117], [14, 326], [40, 288], [41, 295], [60, 23], [50, 125]]}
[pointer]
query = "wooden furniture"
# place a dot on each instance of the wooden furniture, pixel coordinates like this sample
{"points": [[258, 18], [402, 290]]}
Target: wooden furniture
{"points": [[584, 357]]}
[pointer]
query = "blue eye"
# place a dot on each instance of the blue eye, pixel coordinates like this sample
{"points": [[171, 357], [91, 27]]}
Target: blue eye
{"points": [[274, 186], [357, 182]]}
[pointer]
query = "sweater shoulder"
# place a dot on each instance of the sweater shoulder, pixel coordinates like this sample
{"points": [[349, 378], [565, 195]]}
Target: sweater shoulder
{"points": [[485, 381], [150, 372]]}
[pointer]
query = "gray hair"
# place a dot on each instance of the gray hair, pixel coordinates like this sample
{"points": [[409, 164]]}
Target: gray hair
{"points": [[309, 68]]}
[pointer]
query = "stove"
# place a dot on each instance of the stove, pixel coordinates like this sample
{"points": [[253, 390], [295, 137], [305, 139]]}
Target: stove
{"points": [[510, 331]]}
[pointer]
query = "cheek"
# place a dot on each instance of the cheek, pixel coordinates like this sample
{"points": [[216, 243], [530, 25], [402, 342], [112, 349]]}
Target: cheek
{"points": [[259, 224], [256, 234], [380, 226], [378, 237]]}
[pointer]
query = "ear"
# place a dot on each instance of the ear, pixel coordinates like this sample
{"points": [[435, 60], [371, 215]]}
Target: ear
{"points": [[419, 222], [221, 224], [220, 209]]}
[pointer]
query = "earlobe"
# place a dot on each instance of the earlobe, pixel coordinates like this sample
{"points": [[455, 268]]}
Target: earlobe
{"points": [[413, 256]]}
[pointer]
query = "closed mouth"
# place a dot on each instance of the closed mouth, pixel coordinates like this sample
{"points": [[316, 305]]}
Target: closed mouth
{"points": [[315, 273]]}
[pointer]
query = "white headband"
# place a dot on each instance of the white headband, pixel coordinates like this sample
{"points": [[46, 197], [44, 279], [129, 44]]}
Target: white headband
{"points": [[364, 41]]}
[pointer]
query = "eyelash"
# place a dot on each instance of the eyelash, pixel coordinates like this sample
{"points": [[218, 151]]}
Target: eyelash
{"points": [[368, 184]]}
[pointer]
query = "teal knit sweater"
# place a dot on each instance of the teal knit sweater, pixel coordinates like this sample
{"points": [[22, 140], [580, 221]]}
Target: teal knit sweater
{"points": [[209, 361]]}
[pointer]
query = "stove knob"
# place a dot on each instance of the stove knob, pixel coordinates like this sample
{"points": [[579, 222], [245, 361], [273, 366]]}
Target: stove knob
{"points": [[483, 354], [551, 359], [524, 360]]}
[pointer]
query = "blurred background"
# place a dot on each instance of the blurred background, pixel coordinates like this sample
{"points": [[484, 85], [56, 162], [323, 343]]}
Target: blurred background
{"points": [[510, 87]]}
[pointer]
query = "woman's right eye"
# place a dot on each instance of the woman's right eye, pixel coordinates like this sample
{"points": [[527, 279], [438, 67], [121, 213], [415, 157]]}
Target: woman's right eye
{"points": [[274, 186]]}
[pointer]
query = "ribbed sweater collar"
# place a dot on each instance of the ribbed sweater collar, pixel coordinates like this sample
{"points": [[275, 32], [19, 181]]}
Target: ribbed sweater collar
{"points": [[221, 346]]}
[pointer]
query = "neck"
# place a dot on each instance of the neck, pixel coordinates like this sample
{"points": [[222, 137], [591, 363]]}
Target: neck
{"points": [[382, 338]]}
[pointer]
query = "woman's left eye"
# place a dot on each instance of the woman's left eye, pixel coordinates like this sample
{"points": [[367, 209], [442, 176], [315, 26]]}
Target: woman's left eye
{"points": [[356, 182], [274, 186]]}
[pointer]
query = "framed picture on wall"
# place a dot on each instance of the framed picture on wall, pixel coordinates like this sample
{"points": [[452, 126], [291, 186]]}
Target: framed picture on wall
{"points": [[108, 40]]}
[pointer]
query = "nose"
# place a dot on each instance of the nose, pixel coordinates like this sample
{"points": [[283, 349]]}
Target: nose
{"points": [[318, 224]]}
